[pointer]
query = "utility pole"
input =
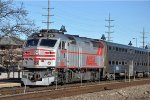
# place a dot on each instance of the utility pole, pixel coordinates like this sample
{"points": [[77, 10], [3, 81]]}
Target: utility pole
{"points": [[143, 38], [48, 22], [109, 26], [48, 17]]}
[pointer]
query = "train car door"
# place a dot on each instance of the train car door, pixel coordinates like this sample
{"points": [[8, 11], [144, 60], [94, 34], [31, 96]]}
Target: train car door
{"points": [[131, 68], [62, 55]]}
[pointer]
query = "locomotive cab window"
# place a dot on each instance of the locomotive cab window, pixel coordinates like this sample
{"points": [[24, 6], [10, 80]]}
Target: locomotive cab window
{"points": [[32, 42], [48, 42]]}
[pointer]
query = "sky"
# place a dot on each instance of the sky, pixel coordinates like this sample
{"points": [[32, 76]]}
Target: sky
{"points": [[86, 18]]}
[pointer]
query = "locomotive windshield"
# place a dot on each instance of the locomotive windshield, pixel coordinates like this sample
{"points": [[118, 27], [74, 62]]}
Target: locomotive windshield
{"points": [[32, 42], [48, 42]]}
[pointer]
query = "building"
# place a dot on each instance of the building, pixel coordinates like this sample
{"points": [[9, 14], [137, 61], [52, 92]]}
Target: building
{"points": [[10, 50]]}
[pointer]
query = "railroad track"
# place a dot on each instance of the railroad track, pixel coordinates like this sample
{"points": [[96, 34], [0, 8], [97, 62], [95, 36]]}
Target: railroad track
{"points": [[71, 89], [17, 90]]}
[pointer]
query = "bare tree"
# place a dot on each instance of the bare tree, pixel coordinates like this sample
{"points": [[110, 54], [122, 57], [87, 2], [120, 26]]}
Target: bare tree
{"points": [[14, 20]]}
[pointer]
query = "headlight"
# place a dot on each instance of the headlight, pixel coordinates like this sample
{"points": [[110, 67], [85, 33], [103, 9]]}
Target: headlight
{"points": [[49, 63]]}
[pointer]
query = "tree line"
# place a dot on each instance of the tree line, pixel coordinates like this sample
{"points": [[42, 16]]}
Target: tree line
{"points": [[14, 19]]}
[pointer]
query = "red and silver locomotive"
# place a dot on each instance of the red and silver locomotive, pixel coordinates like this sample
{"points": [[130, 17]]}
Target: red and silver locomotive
{"points": [[51, 54]]}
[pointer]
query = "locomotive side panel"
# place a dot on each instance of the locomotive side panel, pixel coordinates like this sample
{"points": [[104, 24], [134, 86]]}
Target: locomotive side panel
{"points": [[81, 56], [81, 53]]}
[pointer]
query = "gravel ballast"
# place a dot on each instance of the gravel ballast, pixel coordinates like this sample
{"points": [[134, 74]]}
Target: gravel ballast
{"points": [[130, 93]]}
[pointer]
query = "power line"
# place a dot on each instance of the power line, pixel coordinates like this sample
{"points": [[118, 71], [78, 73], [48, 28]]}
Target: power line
{"points": [[109, 20], [48, 22]]}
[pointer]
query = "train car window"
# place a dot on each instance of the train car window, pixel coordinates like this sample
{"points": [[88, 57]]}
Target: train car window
{"points": [[48, 42], [116, 48], [119, 63], [138, 64], [109, 62], [126, 63], [116, 62], [32, 42], [135, 63]]}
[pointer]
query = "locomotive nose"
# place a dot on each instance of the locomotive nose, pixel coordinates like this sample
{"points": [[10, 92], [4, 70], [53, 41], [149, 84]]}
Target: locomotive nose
{"points": [[45, 58], [50, 58], [40, 58]]}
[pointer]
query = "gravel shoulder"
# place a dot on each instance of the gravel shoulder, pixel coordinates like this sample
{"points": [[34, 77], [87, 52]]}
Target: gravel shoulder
{"points": [[141, 92]]}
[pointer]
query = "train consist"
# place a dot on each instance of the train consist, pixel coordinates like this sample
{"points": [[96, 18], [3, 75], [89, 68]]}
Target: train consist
{"points": [[51, 56]]}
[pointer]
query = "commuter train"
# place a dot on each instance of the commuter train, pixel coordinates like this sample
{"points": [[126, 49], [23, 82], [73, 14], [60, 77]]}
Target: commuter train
{"points": [[50, 56]]}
